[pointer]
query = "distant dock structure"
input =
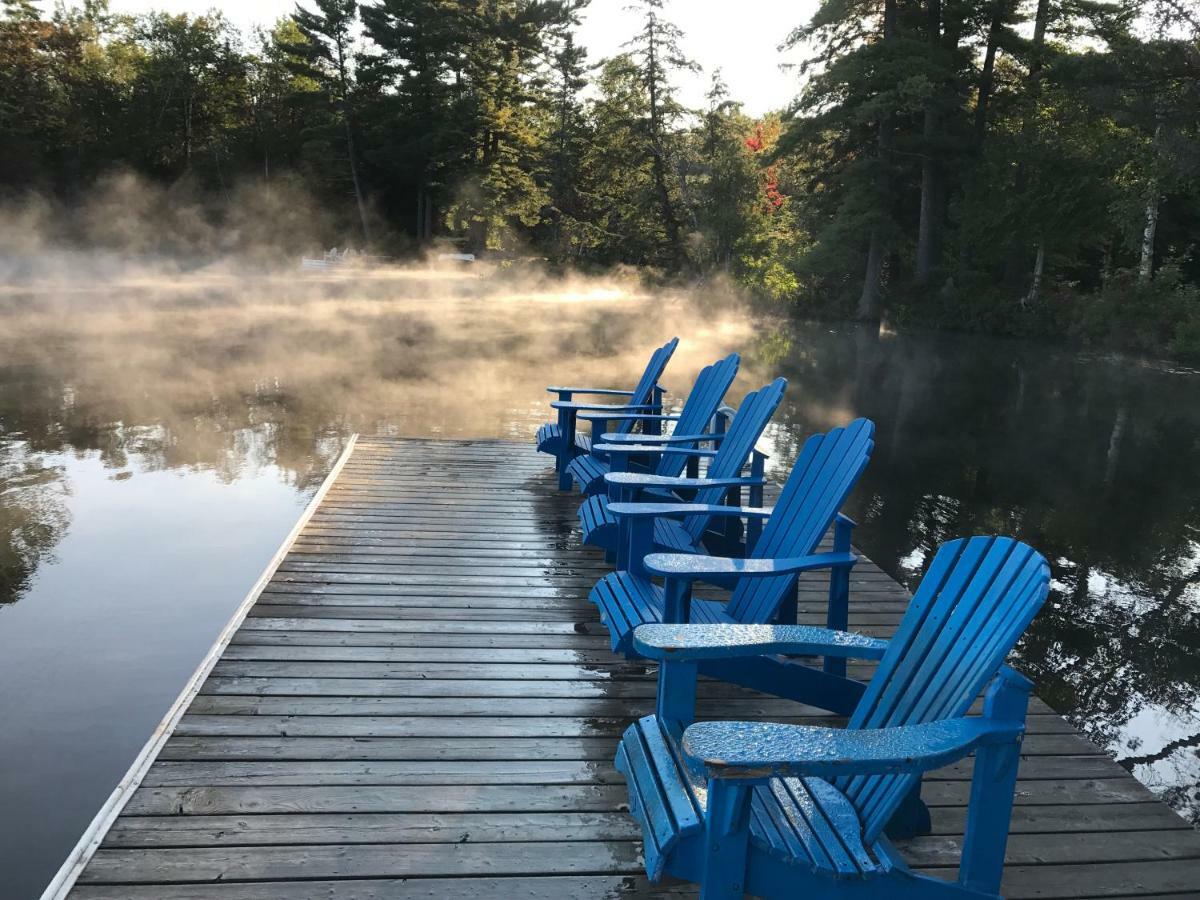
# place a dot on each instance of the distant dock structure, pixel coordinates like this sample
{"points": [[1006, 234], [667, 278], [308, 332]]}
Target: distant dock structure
{"points": [[416, 700]]}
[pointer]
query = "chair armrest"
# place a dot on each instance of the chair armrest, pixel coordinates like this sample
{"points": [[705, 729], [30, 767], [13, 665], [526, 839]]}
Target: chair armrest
{"points": [[649, 417], [585, 390], [758, 750], [687, 567], [684, 642], [650, 448], [572, 404], [638, 510], [637, 479], [661, 438]]}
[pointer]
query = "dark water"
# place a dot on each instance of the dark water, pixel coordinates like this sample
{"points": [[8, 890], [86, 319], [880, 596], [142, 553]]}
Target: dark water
{"points": [[157, 443], [1093, 460]]}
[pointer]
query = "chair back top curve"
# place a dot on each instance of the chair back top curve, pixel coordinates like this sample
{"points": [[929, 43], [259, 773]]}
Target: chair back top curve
{"points": [[744, 430], [971, 608], [700, 407], [825, 472], [643, 392]]}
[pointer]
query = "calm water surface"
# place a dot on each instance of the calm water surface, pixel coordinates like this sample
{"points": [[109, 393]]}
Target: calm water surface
{"points": [[159, 437]]}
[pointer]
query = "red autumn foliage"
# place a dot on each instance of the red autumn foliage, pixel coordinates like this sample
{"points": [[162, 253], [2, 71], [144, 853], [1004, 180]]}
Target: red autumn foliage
{"points": [[771, 189], [755, 141], [772, 198]]}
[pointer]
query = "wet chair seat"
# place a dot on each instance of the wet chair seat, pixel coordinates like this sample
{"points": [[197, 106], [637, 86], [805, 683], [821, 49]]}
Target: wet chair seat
{"points": [[804, 823]]}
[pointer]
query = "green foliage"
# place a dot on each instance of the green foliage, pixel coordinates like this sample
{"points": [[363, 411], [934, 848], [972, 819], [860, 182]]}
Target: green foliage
{"points": [[1144, 316], [984, 164]]}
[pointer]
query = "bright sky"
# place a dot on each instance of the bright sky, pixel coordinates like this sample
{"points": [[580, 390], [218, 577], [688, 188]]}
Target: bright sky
{"points": [[740, 38]]}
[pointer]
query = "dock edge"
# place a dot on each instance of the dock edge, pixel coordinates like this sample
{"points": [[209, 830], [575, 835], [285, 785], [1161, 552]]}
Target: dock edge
{"points": [[63, 880]]}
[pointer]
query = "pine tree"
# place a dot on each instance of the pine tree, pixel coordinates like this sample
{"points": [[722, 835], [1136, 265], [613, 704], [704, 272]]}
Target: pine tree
{"points": [[656, 50], [728, 174], [566, 146], [861, 85], [420, 133], [326, 57], [467, 76], [619, 172]]}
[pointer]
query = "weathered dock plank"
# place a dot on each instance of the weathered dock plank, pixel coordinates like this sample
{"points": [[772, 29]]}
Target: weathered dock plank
{"points": [[375, 723]]}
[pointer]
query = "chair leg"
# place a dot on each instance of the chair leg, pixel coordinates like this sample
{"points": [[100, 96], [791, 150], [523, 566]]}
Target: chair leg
{"points": [[838, 615], [911, 818], [727, 837], [989, 813], [677, 692], [640, 543], [754, 527], [789, 608], [566, 450], [677, 601]]}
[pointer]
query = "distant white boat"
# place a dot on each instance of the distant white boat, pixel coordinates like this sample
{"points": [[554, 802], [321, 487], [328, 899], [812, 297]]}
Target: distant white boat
{"points": [[456, 257], [336, 258], [331, 260]]}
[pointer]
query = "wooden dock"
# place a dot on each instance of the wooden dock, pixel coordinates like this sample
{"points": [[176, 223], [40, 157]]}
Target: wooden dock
{"points": [[417, 701]]}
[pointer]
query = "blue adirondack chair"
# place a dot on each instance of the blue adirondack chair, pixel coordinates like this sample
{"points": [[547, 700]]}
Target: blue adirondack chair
{"points": [[824, 474], [691, 426], [793, 811], [601, 527], [561, 439]]}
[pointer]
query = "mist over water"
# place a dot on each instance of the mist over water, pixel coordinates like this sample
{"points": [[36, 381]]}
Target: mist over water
{"points": [[163, 422], [418, 351]]}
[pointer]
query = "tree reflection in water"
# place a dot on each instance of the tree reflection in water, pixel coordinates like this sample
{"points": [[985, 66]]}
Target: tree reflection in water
{"points": [[1095, 461], [33, 515]]}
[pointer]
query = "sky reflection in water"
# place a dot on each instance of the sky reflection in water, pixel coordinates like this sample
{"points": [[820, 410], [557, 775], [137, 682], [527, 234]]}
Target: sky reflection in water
{"points": [[158, 438]]}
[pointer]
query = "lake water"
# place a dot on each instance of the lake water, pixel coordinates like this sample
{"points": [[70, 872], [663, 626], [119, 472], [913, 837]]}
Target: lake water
{"points": [[159, 436]]}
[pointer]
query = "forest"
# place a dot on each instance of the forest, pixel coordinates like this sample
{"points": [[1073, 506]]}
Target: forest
{"points": [[1026, 167]]}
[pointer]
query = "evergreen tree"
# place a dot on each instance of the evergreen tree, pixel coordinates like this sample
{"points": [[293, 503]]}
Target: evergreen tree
{"points": [[728, 175], [568, 137], [278, 98], [418, 132], [657, 53], [325, 56], [620, 173]]}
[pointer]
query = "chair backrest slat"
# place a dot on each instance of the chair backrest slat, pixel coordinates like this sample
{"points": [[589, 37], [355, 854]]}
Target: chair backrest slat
{"points": [[699, 408], [826, 471], [972, 606], [643, 392], [744, 430]]}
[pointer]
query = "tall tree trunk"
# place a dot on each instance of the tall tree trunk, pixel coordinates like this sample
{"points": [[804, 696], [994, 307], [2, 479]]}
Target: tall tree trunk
{"points": [[927, 227], [187, 133], [1001, 10], [358, 195], [343, 72], [670, 220], [661, 190], [1146, 267], [1040, 21], [1021, 179], [987, 75], [869, 299]]}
